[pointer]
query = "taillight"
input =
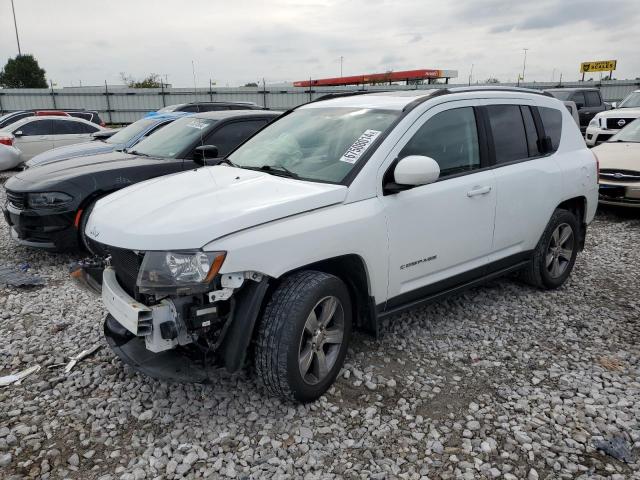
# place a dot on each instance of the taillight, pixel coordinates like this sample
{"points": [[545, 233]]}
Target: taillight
{"points": [[6, 141], [597, 164]]}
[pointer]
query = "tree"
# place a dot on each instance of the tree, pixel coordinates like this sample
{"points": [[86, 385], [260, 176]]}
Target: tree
{"points": [[152, 80], [251, 84], [23, 72], [492, 80]]}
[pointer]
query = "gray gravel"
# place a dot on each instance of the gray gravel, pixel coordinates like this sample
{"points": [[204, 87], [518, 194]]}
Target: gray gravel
{"points": [[503, 381]]}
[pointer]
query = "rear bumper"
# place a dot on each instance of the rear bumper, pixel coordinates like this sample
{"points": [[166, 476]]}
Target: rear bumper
{"points": [[53, 231]]}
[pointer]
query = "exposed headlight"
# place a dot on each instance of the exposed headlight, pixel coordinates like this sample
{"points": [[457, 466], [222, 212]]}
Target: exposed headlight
{"points": [[48, 199], [181, 272]]}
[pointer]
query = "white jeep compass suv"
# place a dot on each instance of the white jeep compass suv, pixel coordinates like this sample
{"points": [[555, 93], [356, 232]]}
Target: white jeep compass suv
{"points": [[341, 212]]}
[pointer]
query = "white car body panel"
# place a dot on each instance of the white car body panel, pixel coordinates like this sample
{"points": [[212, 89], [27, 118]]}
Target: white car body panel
{"points": [[188, 210], [10, 157], [273, 225]]}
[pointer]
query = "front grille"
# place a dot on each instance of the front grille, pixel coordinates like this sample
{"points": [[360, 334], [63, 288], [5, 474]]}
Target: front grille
{"points": [[612, 123], [18, 200], [127, 264], [620, 175]]}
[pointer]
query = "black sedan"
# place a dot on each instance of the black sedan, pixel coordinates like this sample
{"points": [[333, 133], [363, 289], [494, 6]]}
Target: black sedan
{"points": [[49, 206]]}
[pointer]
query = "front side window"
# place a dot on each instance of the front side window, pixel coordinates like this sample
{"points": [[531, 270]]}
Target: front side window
{"points": [[509, 136], [36, 127], [229, 136], [322, 144], [177, 138], [66, 127], [578, 97], [450, 138]]}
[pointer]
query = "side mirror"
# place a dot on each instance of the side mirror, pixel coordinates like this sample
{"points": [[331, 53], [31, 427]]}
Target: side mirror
{"points": [[413, 171], [203, 153], [102, 134], [17, 133]]}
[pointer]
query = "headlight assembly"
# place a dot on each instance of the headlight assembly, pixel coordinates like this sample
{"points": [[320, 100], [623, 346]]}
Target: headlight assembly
{"points": [[48, 199], [179, 272], [594, 122]]}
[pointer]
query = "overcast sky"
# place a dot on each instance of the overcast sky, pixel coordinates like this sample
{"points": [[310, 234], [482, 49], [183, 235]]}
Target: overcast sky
{"points": [[239, 41]]}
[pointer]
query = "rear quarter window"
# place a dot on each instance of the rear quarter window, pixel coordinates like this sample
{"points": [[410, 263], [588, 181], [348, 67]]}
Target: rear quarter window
{"points": [[552, 123]]}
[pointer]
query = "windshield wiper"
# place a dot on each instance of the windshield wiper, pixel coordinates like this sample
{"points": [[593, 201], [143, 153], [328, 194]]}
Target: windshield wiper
{"points": [[135, 152], [227, 162], [279, 170]]}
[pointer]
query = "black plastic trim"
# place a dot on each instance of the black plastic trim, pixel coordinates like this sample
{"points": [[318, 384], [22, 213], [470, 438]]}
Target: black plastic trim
{"points": [[453, 285]]}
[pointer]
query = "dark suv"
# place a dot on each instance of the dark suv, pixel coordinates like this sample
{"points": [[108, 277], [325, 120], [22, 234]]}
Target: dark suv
{"points": [[588, 100], [197, 107]]}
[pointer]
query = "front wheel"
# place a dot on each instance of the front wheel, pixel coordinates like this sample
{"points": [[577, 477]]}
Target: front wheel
{"points": [[303, 336], [555, 254]]}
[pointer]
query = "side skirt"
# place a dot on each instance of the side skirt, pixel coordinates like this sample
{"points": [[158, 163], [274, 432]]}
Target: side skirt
{"points": [[444, 288]]}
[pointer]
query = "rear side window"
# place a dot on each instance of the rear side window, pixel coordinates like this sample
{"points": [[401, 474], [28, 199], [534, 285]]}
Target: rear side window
{"points": [[65, 127], [592, 98], [509, 136], [229, 136], [450, 138], [11, 118], [552, 122]]}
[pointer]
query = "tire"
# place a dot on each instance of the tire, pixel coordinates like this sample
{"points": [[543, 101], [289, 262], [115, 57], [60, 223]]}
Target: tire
{"points": [[85, 242], [290, 345], [552, 264]]}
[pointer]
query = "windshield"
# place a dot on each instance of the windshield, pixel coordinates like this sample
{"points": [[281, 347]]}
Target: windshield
{"points": [[130, 132], [315, 143], [632, 100], [561, 94], [630, 133], [175, 138]]}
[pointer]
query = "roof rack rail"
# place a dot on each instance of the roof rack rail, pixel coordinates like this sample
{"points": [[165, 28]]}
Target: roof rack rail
{"points": [[500, 89], [329, 96], [438, 91]]}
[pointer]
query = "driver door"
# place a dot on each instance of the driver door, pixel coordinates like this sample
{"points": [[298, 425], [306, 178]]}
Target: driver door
{"points": [[441, 234]]}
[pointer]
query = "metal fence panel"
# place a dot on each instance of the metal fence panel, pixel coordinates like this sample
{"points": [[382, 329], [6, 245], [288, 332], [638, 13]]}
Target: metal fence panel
{"points": [[126, 105]]}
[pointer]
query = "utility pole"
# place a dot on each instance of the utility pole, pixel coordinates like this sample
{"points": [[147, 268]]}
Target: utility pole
{"points": [[15, 24], [341, 60], [470, 74], [524, 63]]}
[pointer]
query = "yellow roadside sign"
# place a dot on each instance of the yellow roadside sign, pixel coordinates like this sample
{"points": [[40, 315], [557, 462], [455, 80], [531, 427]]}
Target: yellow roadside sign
{"points": [[598, 66]]}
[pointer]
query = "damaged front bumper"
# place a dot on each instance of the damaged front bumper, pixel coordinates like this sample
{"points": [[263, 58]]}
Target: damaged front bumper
{"points": [[173, 337]]}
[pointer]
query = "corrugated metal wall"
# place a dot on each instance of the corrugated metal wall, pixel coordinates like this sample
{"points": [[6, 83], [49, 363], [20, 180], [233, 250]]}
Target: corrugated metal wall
{"points": [[125, 105]]}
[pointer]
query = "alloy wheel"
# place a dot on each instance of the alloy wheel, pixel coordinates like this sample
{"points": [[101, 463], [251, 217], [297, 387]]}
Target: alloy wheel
{"points": [[560, 250]]}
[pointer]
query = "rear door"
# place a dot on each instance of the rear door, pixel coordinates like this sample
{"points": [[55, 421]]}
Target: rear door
{"points": [[526, 176], [34, 137], [68, 132]]}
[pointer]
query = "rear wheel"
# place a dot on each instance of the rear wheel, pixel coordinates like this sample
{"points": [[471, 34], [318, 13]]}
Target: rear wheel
{"points": [[556, 252], [303, 336]]}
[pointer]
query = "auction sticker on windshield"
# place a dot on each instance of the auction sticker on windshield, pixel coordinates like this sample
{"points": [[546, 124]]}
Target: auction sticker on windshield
{"points": [[355, 151]]}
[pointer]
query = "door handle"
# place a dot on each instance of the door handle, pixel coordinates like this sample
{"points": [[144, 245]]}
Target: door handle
{"points": [[478, 191]]}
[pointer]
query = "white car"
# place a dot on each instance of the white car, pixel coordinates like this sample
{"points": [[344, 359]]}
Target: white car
{"points": [[34, 135], [606, 124], [340, 213]]}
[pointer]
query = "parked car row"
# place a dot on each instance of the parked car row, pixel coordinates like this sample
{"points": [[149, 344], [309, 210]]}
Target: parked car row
{"points": [[245, 234]]}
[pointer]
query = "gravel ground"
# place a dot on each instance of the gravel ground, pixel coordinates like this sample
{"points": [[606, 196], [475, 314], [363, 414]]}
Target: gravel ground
{"points": [[503, 381]]}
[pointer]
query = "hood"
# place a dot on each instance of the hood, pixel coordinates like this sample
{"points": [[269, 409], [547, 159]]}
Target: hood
{"points": [[70, 151], [618, 155], [77, 170], [190, 209], [620, 112]]}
